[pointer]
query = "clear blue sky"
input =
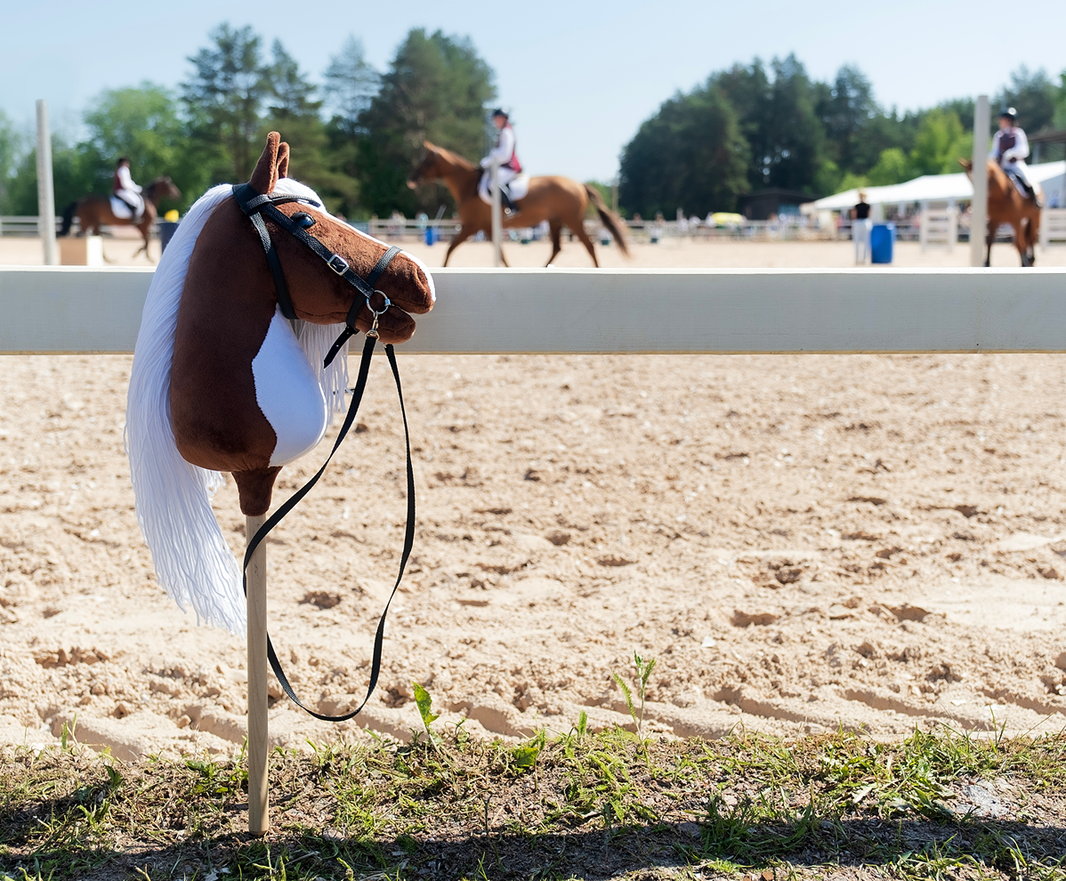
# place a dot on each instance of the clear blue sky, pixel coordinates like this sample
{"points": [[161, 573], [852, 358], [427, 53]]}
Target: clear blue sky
{"points": [[580, 77]]}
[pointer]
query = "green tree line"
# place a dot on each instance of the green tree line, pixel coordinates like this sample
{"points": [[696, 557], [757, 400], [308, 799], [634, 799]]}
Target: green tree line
{"points": [[354, 140], [356, 137], [759, 126]]}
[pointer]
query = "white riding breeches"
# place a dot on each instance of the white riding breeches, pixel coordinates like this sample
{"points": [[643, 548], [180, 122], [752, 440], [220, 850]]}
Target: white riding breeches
{"points": [[506, 175], [1020, 169]]}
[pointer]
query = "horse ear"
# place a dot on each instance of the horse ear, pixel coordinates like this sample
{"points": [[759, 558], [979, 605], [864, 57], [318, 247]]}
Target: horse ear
{"points": [[265, 175], [283, 160]]}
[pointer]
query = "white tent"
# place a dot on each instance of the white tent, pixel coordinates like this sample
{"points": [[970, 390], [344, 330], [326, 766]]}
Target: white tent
{"points": [[947, 188]]}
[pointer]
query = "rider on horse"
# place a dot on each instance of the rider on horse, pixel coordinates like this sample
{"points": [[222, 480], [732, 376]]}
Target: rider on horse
{"points": [[504, 154], [1010, 148], [123, 187]]}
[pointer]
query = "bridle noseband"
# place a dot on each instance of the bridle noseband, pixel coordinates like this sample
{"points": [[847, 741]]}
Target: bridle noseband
{"points": [[254, 204]]}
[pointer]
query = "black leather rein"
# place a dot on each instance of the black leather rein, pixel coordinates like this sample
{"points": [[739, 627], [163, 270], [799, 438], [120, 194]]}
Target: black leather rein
{"points": [[255, 205]]}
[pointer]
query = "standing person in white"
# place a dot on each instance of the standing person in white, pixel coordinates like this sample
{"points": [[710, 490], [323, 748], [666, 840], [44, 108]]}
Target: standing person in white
{"points": [[861, 224], [1010, 149], [124, 188], [505, 156]]}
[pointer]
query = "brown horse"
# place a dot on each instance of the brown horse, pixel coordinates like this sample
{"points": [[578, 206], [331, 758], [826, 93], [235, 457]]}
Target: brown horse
{"points": [[558, 200], [1007, 205], [94, 211]]}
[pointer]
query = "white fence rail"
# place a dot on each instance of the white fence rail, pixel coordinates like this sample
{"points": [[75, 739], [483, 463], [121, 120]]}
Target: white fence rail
{"points": [[26, 225], [75, 309]]}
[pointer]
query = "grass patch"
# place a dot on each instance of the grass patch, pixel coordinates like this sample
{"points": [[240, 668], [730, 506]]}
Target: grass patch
{"points": [[593, 806]]}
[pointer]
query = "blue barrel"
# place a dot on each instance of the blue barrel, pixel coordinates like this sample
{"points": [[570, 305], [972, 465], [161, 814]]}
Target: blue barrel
{"points": [[431, 235], [166, 232], [882, 239]]}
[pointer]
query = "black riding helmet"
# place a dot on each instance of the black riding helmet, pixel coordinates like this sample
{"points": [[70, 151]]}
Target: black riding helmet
{"points": [[1010, 113]]}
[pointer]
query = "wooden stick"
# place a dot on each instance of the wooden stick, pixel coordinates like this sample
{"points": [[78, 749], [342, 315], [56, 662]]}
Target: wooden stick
{"points": [[258, 799]]}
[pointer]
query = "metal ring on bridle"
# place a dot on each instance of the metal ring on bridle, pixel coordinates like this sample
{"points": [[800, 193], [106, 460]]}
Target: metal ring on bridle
{"points": [[373, 332]]}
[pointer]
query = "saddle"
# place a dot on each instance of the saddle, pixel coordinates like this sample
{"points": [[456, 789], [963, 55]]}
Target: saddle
{"points": [[123, 210], [517, 189]]}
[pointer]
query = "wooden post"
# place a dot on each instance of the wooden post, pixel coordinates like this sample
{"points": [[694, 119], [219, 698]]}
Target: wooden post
{"points": [[46, 203], [979, 207], [497, 218], [258, 799]]}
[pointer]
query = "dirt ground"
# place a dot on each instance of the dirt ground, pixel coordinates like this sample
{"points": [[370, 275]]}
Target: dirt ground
{"points": [[801, 542]]}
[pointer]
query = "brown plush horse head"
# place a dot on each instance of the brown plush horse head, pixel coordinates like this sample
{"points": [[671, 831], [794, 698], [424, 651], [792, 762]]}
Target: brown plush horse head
{"points": [[228, 372], [228, 306]]}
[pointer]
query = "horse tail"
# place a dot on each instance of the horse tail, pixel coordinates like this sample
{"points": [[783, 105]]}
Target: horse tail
{"points": [[68, 217], [607, 218]]}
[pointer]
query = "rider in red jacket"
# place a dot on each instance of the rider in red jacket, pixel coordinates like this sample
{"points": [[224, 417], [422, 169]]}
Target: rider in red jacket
{"points": [[504, 154]]}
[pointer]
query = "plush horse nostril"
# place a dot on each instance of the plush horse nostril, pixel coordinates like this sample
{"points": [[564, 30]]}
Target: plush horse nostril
{"points": [[303, 219]]}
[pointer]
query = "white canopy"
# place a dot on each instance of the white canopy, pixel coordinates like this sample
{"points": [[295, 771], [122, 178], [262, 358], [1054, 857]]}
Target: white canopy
{"points": [[939, 188]]}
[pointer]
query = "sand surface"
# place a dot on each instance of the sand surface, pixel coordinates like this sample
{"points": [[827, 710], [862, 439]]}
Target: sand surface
{"points": [[801, 542], [678, 253]]}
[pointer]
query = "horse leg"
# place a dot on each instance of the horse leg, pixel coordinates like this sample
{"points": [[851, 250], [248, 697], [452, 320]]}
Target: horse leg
{"points": [[578, 229], [1019, 241], [464, 233], [990, 236], [556, 229], [146, 232]]}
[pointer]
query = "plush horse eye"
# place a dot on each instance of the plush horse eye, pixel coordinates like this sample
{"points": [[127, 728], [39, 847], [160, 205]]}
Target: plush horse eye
{"points": [[303, 219]]}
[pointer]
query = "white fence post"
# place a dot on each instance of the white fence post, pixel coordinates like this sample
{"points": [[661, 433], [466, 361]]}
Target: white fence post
{"points": [[979, 207], [497, 219], [46, 203]]}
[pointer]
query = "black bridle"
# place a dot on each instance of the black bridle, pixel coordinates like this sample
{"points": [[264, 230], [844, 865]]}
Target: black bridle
{"points": [[255, 205]]}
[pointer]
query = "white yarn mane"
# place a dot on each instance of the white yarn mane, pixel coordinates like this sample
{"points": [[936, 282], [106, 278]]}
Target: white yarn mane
{"points": [[173, 497]]}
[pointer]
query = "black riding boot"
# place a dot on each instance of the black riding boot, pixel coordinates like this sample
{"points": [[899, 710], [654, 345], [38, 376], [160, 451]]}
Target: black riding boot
{"points": [[509, 207]]}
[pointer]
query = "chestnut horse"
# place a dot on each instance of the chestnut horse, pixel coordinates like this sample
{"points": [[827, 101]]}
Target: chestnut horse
{"points": [[1007, 205], [94, 211], [558, 200]]}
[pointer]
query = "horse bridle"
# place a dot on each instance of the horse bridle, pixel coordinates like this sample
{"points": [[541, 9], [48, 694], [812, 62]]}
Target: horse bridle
{"points": [[255, 205]]}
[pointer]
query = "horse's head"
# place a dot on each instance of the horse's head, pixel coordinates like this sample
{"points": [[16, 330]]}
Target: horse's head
{"points": [[428, 169], [319, 294], [162, 188]]}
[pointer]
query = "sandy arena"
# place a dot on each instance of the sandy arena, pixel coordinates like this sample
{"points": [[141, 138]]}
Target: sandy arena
{"points": [[801, 542]]}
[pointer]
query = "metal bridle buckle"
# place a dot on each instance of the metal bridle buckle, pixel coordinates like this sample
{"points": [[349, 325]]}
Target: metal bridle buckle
{"points": [[377, 313], [338, 264]]}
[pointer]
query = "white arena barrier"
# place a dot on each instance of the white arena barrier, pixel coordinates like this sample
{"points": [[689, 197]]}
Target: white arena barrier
{"points": [[1052, 226], [939, 228], [82, 310]]}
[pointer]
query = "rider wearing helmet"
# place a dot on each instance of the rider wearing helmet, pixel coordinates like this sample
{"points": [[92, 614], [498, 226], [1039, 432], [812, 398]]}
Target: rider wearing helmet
{"points": [[504, 154], [1010, 149]]}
